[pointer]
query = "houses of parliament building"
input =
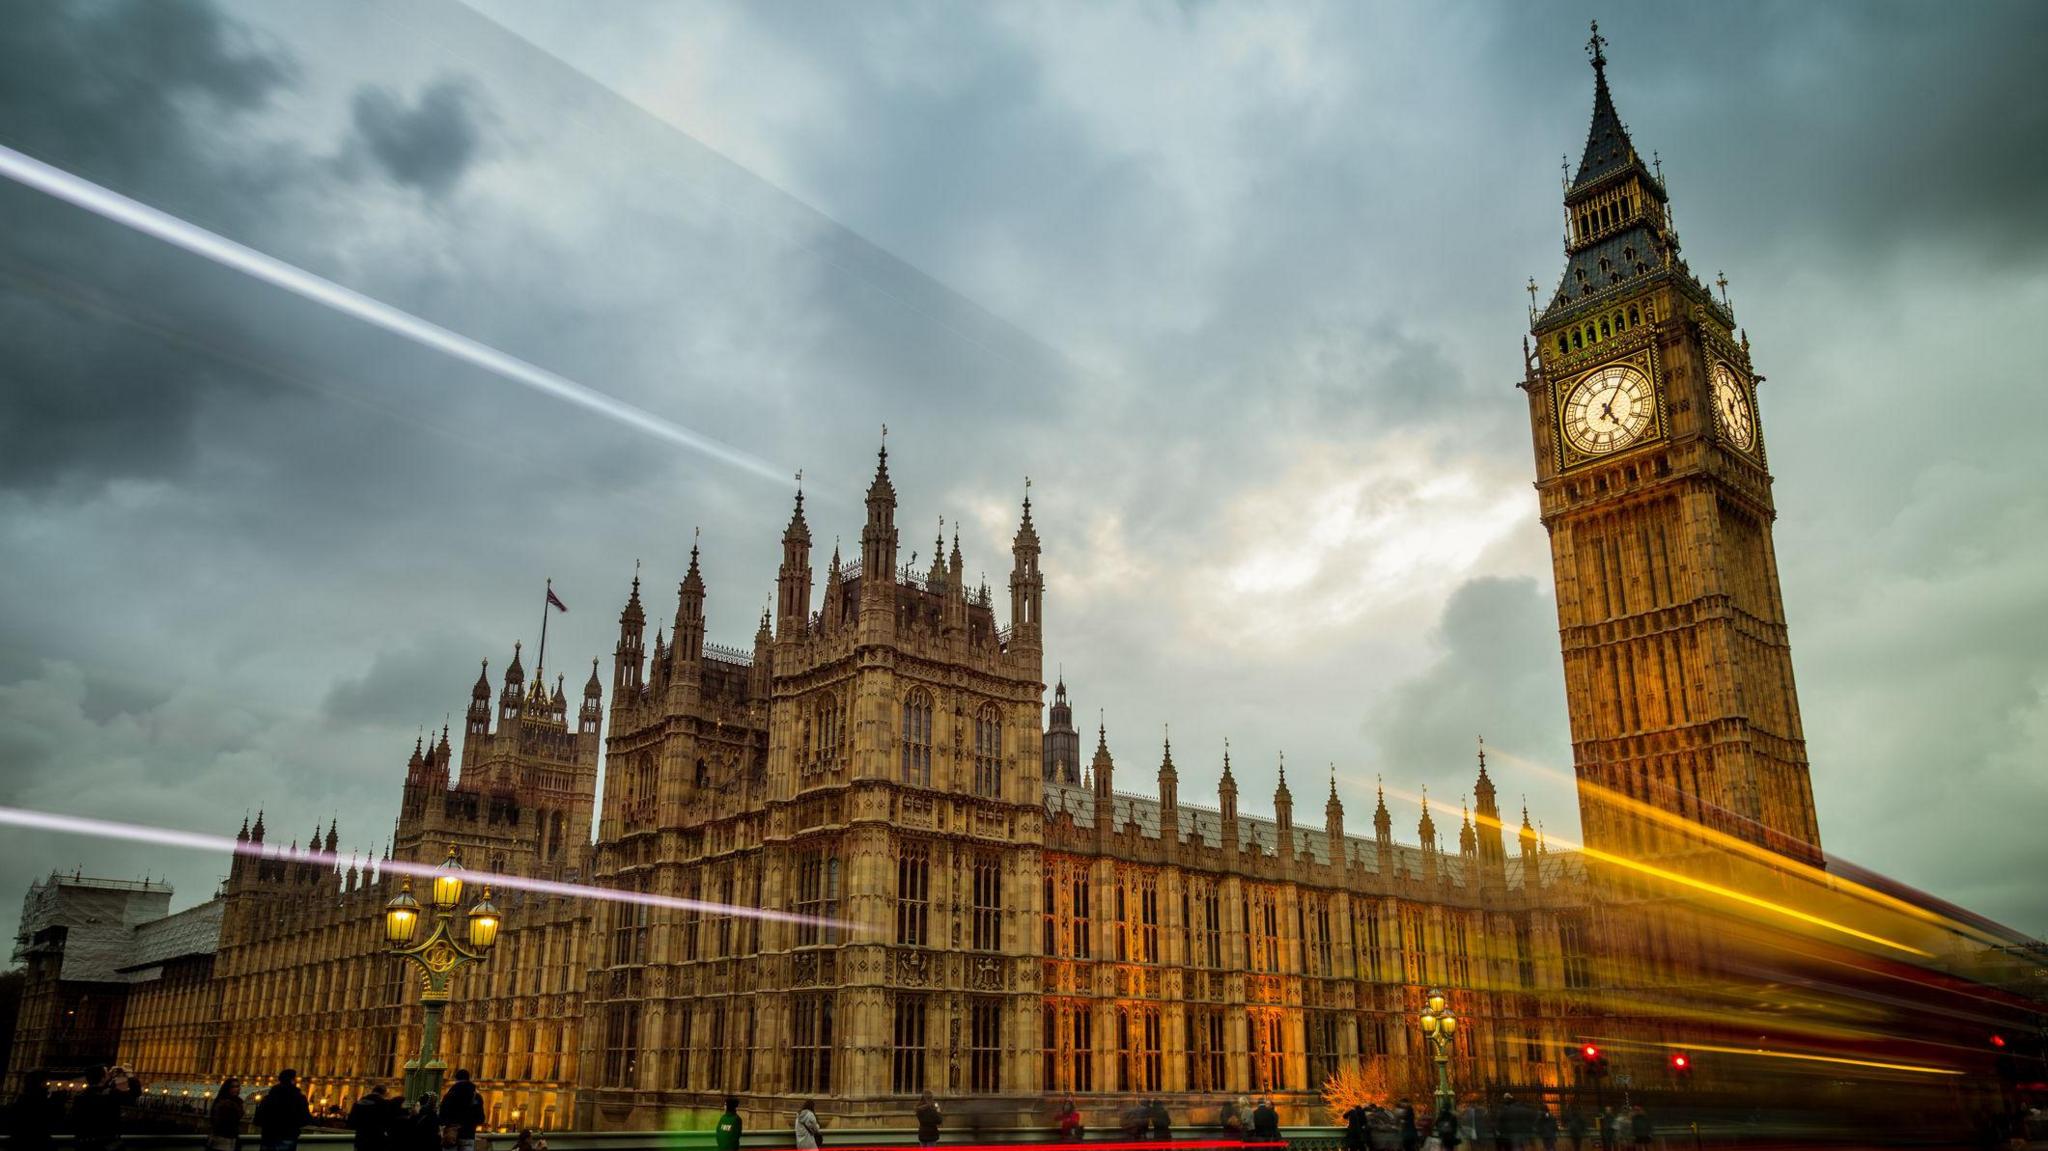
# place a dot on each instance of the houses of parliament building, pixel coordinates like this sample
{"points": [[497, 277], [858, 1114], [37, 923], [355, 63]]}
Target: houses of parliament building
{"points": [[986, 905]]}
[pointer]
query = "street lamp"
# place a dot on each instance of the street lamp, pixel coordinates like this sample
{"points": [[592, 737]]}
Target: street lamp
{"points": [[1438, 1025], [444, 950]]}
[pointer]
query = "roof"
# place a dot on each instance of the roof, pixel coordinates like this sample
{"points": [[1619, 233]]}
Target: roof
{"points": [[193, 931]]}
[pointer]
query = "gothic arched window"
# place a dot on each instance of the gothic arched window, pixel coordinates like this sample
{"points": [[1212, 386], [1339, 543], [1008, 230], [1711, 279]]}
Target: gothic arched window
{"points": [[917, 739], [988, 751]]}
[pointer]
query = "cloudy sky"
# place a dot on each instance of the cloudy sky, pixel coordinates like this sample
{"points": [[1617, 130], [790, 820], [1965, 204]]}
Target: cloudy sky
{"points": [[1240, 287]]}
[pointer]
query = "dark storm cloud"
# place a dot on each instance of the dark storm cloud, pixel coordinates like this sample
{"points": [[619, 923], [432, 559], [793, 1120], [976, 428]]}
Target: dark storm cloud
{"points": [[428, 145], [415, 676]]}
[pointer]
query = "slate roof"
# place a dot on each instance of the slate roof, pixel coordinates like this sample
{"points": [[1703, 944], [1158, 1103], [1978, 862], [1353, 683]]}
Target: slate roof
{"points": [[193, 931]]}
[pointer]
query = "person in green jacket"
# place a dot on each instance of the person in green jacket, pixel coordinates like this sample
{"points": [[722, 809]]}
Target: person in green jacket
{"points": [[727, 1133]]}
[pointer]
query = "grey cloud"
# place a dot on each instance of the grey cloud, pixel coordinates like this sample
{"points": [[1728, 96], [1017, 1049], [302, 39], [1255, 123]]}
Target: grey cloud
{"points": [[417, 676], [429, 144]]}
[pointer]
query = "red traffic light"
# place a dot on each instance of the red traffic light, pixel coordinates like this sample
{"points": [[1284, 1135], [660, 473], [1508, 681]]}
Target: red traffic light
{"points": [[1998, 1040], [1680, 1061], [1590, 1053]]}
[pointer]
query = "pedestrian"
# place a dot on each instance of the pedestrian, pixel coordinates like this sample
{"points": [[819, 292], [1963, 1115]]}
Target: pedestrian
{"points": [[1404, 1120], [1265, 1123], [1546, 1128], [1131, 1121], [1231, 1122], [1069, 1121], [1640, 1129], [727, 1134], [422, 1129], [32, 1117], [1446, 1130], [1514, 1126], [96, 1113], [1355, 1120], [282, 1113], [1575, 1127], [370, 1119], [224, 1121], [1607, 1128], [809, 1136], [1161, 1122], [927, 1121], [528, 1141], [463, 1109]]}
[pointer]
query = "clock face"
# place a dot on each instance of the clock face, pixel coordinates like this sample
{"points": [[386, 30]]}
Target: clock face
{"points": [[1609, 409], [1731, 408]]}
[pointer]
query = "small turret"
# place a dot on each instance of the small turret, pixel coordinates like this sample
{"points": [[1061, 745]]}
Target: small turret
{"points": [[1426, 829], [1468, 846], [629, 657], [1103, 768], [1333, 821], [1283, 814], [1226, 802], [478, 719], [793, 579], [1532, 877], [512, 700], [878, 537], [1169, 795], [592, 712], [1027, 585], [689, 641]]}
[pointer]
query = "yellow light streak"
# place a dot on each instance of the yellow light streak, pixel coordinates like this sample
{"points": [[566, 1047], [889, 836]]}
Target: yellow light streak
{"points": [[1807, 1057], [1727, 893]]}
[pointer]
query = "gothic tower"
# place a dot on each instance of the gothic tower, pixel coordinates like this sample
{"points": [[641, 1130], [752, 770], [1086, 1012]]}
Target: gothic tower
{"points": [[1652, 476]]}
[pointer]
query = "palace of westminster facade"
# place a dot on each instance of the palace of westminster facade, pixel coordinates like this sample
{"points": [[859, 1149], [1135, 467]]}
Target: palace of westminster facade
{"points": [[985, 912]]}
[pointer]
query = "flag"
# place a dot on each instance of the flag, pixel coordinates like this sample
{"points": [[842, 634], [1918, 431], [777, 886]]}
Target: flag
{"points": [[555, 601]]}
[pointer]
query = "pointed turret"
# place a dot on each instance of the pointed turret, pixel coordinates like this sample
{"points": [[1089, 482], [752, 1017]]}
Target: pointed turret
{"points": [[1532, 877], [1103, 768], [1027, 586], [958, 576], [1283, 813], [1226, 801], [1492, 855], [1426, 829], [1468, 846], [477, 721], [793, 579], [834, 613], [1062, 747], [1169, 794], [629, 657], [592, 712], [333, 839], [242, 836], [512, 700], [689, 631], [1333, 820], [878, 536], [1618, 230], [256, 832]]}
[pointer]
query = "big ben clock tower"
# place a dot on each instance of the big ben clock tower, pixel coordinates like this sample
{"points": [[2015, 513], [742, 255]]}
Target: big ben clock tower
{"points": [[1654, 486]]}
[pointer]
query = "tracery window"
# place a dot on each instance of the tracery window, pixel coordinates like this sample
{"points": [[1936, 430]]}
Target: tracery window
{"points": [[907, 1060], [913, 895], [988, 752], [1322, 1045], [1207, 1055], [986, 911], [1138, 1058], [917, 739], [810, 1043], [817, 897], [1069, 1046], [1266, 1029], [984, 1044]]}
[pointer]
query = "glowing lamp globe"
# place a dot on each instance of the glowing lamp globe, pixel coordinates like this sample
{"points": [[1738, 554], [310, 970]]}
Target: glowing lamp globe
{"points": [[448, 883], [483, 923], [402, 916]]}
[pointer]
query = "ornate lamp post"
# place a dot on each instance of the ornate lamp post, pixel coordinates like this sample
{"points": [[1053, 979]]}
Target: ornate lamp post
{"points": [[445, 949], [1438, 1024]]}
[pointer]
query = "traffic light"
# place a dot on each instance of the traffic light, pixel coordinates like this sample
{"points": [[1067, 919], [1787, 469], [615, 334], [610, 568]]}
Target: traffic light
{"points": [[1592, 1059], [1590, 1053], [1681, 1064]]}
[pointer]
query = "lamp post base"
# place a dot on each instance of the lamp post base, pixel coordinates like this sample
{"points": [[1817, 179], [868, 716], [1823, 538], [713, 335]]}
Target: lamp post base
{"points": [[423, 1080]]}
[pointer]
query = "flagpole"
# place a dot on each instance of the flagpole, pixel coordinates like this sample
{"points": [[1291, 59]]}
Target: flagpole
{"points": [[541, 664]]}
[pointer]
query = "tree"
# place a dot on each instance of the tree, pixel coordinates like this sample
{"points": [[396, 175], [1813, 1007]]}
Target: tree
{"points": [[1356, 1084]]}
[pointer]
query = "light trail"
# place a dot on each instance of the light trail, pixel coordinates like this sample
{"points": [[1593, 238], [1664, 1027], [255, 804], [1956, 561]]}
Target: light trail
{"points": [[203, 841], [1697, 830], [1728, 893], [30, 172]]}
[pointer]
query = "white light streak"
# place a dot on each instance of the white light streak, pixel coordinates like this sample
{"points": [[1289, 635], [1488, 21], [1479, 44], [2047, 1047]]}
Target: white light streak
{"points": [[202, 841], [33, 173]]}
